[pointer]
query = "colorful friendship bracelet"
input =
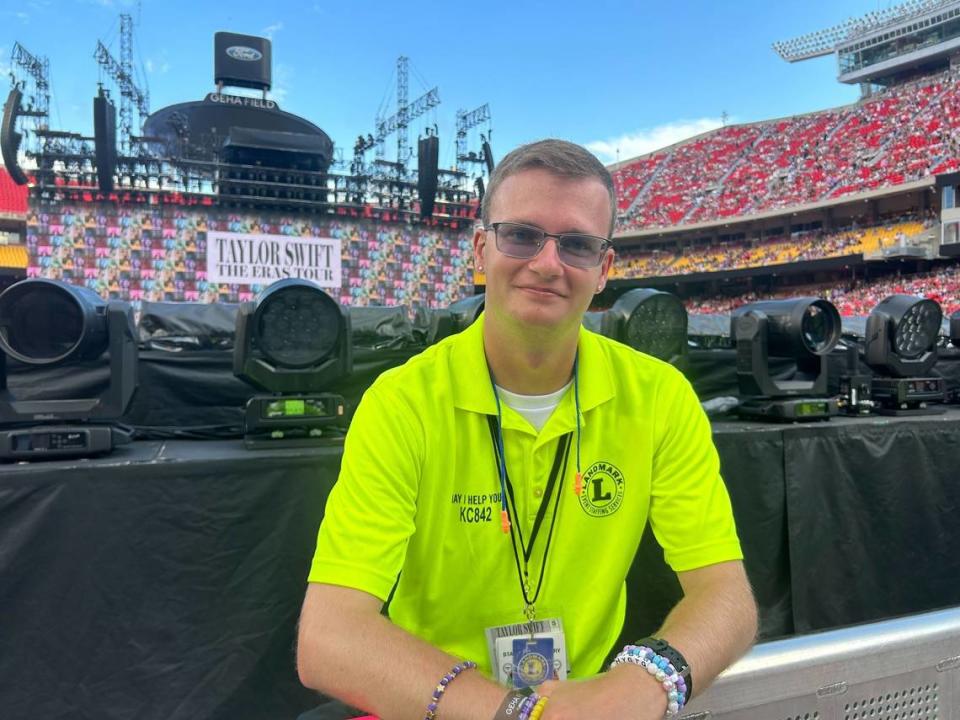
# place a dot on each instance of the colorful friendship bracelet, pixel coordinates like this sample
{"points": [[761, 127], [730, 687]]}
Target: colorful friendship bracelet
{"points": [[537, 710], [442, 687], [521, 705], [676, 658], [662, 670]]}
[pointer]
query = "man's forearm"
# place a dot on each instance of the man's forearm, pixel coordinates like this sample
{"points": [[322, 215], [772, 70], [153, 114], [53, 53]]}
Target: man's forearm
{"points": [[714, 624], [363, 659]]}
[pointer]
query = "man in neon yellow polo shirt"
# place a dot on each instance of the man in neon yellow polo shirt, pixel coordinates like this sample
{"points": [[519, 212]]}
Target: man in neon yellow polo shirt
{"points": [[498, 485]]}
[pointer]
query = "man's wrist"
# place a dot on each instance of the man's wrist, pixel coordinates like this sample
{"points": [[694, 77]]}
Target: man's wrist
{"points": [[636, 681], [517, 703], [676, 658], [660, 671]]}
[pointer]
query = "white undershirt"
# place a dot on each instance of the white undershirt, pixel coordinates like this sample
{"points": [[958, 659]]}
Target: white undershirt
{"points": [[537, 409]]}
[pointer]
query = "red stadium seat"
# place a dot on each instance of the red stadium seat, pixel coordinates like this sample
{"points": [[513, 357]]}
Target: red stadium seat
{"points": [[904, 134]]}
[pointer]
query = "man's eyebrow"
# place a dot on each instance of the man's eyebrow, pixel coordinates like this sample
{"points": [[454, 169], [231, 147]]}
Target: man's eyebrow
{"points": [[572, 231]]}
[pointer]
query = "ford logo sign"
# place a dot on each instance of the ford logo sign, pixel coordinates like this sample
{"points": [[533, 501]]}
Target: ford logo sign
{"points": [[241, 52]]}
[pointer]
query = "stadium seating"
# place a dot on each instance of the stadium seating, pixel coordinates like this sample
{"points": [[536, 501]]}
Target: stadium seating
{"points": [[13, 197], [905, 133], [632, 179], [772, 251], [855, 299]]}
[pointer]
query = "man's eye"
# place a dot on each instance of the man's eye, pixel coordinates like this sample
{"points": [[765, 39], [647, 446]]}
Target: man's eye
{"points": [[524, 236], [576, 243], [581, 244]]}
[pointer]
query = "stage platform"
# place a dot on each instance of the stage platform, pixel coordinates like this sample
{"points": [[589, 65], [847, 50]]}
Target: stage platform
{"points": [[165, 581]]}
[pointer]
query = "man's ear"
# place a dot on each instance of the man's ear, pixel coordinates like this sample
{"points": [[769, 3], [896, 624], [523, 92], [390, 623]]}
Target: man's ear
{"points": [[479, 247], [605, 265]]}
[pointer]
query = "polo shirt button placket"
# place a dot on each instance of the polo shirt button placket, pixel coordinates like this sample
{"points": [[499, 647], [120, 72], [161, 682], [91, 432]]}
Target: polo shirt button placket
{"points": [[538, 492]]}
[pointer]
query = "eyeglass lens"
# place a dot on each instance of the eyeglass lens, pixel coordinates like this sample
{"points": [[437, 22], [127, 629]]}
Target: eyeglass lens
{"points": [[525, 241]]}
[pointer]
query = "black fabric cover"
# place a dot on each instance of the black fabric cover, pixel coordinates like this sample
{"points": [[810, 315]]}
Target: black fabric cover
{"points": [[163, 582], [873, 510], [176, 326], [381, 327], [188, 389]]}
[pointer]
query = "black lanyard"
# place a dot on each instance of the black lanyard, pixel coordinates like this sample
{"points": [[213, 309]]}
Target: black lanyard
{"points": [[559, 470]]}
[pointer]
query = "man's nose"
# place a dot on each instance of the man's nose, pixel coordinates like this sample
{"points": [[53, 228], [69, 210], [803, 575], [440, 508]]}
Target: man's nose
{"points": [[547, 261]]}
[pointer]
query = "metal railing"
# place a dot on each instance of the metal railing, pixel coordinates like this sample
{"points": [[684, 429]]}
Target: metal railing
{"points": [[896, 669]]}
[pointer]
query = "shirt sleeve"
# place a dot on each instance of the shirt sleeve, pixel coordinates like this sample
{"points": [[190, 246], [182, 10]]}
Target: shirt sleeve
{"points": [[690, 511], [370, 513]]}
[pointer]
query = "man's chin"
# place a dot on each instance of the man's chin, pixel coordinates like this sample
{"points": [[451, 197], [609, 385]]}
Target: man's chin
{"points": [[546, 315]]}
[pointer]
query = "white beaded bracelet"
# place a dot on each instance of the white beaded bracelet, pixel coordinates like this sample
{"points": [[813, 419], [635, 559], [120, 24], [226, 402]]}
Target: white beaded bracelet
{"points": [[661, 670]]}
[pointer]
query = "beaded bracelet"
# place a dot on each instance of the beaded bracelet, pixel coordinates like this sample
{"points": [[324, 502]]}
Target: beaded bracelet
{"points": [[529, 707], [442, 687], [538, 709], [517, 705], [662, 671], [679, 662]]}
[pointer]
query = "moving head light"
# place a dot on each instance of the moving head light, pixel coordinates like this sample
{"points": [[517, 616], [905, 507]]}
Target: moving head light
{"points": [[651, 321], [293, 341], [46, 323], [803, 329], [901, 347]]}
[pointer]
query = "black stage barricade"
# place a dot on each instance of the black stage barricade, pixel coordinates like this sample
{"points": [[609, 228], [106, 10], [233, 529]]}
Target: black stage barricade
{"points": [[165, 581]]}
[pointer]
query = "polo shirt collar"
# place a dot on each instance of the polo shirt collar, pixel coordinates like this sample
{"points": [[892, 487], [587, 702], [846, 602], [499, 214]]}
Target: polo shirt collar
{"points": [[473, 391]]}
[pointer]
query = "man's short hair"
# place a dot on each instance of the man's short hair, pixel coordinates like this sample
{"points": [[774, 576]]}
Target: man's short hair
{"points": [[560, 157]]}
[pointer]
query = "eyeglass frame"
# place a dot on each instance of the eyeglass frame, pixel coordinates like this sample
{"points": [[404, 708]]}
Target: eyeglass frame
{"points": [[607, 242]]}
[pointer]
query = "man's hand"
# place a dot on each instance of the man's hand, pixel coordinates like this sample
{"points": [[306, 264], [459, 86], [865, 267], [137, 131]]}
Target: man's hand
{"points": [[627, 692]]}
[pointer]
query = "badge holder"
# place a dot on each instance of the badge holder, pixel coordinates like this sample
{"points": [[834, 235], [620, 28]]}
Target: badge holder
{"points": [[532, 661]]}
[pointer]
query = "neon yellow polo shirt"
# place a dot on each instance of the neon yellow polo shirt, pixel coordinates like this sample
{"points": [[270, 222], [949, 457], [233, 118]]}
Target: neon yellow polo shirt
{"points": [[417, 500]]}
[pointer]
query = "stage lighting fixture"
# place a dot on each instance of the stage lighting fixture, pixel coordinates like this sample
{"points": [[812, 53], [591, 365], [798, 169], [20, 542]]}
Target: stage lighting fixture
{"points": [[901, 347], [294, 342], [650, 321], [802, 329], [852, 386], [50, 322]]}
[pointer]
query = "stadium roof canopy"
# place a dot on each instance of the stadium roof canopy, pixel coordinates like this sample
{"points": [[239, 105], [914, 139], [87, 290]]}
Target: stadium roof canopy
{"points": [[824, 42]]}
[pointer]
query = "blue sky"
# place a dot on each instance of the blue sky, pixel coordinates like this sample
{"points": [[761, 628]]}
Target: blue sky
{"points": [[627, 75]]}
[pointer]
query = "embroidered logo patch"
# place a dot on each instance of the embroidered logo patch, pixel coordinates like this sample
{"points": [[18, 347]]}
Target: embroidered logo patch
{"points": [[602, 490]]}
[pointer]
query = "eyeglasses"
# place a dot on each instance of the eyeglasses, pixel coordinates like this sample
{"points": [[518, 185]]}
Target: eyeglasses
{"points": [[526, 241]]}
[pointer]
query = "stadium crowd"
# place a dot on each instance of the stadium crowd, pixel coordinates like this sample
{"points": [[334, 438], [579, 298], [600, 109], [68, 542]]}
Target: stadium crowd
{"points": [[901, 134], [797, 247], [856, 298]]}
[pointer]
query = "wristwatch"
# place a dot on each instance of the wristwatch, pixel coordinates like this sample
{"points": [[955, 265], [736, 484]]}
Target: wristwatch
{"points": [[679, 662]]}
